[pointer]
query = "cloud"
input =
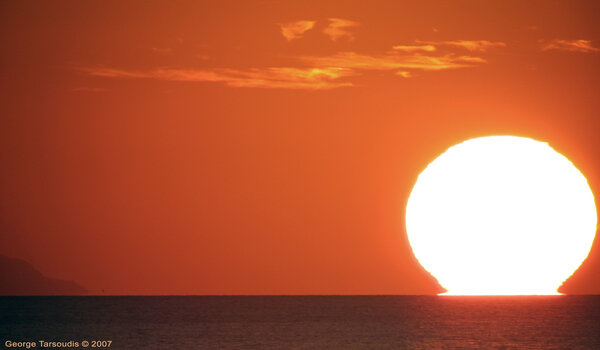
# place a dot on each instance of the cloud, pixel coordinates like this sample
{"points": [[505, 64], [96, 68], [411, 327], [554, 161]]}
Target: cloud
{"points": [[352, 60], [471, 45], [413, 48], [570, 45], [320, 72], [338, 28], [272, 77], [475, 45], [295, 30], [431, 46], [324, 72], [404, 74]]}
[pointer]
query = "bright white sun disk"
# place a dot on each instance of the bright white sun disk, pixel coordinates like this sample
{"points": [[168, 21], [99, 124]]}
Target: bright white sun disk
{"points": [[501, 215]]}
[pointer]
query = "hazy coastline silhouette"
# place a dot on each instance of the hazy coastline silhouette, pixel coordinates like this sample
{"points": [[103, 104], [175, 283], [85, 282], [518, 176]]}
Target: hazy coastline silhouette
{"points": [[18, 277]]}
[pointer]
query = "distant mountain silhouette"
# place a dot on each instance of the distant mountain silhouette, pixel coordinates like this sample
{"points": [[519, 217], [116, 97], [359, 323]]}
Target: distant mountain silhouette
{"points": [[18, 277]]}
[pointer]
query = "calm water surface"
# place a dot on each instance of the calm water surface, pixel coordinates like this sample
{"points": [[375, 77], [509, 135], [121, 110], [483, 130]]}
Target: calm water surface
{"points": [[307, 322]]}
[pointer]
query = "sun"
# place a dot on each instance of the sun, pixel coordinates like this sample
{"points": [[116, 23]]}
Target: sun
{"points": [[501, 215]]}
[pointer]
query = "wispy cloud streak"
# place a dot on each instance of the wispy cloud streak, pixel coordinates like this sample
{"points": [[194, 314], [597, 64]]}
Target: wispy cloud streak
{"points": [[570, 45], [295, 30], [353, 60], [414, 48], [470, 45], [273, 77], [338, 28], [324, 72], [404, 74], [474, 45]]}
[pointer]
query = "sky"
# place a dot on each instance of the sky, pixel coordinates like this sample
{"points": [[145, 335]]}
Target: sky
{"points": [[268, 147]]}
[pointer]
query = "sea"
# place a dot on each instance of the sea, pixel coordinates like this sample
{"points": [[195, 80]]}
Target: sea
{"points": [[300, 322]]}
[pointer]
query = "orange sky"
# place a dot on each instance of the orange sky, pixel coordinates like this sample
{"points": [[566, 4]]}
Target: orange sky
{"points": [[268, 147]]}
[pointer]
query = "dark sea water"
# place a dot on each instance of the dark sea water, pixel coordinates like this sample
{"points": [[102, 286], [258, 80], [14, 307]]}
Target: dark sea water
{"points": [[306, 322]]}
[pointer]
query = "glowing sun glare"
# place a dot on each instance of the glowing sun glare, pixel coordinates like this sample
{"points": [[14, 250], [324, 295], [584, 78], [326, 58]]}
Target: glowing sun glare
{"points": [[501, 215]]}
